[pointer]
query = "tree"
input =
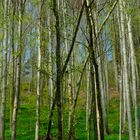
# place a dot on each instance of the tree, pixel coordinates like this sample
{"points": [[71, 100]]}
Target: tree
{"points": [[13, 59], [96, 93], [21, 7], [4, 71], [38, 83], [125, 67], [58, 71]]}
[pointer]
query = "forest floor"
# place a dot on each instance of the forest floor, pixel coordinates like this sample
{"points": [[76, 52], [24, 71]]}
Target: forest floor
{"points": [[26, 119]]}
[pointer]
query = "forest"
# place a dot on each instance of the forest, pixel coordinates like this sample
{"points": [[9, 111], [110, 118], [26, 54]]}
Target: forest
{"points": [[69, 69]]}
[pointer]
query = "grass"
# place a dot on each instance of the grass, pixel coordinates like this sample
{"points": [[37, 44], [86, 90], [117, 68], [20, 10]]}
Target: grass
{"points": [[26, 120]]}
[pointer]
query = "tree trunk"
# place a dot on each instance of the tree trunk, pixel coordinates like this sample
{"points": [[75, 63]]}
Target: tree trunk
{"points": [[125, 66], [50, 63], [38, 87], [18, 71], [72, 111], [4, 71], [13, 63], [98, 115], [133, 71], [58, 71]]}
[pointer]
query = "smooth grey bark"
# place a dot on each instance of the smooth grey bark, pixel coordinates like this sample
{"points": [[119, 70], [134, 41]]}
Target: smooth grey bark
{"points": [[103, 91], [69, 75], [88, 96], [134, 78], [37, 126], [121, 103], [125, 66], [88, 103], [121, 77]]}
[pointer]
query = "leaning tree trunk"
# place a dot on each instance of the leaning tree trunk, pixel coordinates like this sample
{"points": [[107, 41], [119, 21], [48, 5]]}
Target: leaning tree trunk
{"points": [[74, 103], [64, 68], [98, 115]]}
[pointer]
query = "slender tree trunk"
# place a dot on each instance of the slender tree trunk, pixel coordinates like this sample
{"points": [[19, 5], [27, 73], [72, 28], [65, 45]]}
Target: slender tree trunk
{"points": [[103, 91], [72, 111], [133, 71], [98, 117], [121, 104], [38, 88], [125, 65], [18, 76], [121, 78], [88, 104], [4, 71], [115, 53], [50, 63], [88, 97], [43, 47], [13, 64], [58, 70], [64, 68], [1, 66]]}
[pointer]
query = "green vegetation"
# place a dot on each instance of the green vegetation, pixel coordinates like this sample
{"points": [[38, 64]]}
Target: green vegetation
{"points": [[69, 70], [26, 120]]}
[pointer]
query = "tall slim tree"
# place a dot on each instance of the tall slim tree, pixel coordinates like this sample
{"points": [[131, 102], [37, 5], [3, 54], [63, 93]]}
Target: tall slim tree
{"points": [[21, 6], [97, 107], [13, 60], [38, 82], [4, 70], [125, 68], [58, 70], [133, 74]]}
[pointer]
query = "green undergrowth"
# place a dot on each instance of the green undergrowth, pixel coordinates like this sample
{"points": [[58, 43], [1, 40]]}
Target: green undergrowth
{"points": [[26, 120]]}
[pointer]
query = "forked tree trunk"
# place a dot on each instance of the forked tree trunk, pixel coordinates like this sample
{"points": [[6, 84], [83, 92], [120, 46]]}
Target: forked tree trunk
{"points": [[98, 115], [64, 69]]}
